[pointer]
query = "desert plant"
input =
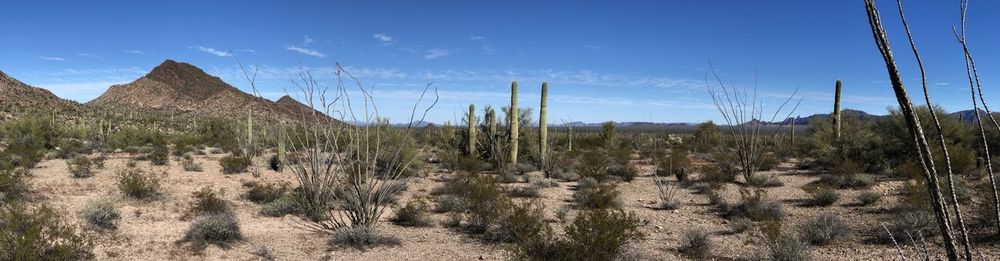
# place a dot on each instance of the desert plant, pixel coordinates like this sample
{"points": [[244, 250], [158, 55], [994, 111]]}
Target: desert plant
{"points": [[597, 234], [824, 197], [413, 214], [38, 233], [514, 124], [753, 205], [361, 238], [868, 197], [822, 229], [219, 229], [80, 166], [696, 243], [519, 223], [284, 205], [783, 247], [137, 183], [600, 196], [101, 213], [261, 192], [14, 184], [189, 165], [159, 154], [208, 201], [233, 164]]}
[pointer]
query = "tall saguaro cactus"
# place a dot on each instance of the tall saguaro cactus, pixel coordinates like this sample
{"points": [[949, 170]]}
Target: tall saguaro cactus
{"points": [[543, 128], [513, 123], [472, 129], [836, 110]]}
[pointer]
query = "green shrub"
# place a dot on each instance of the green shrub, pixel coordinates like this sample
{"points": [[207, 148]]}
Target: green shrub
{"points": [[824, 197], [740, 225], [208, 201], [624, 172], [868, 197], [822, 229], [234, 164], [27, 139], [80, 167], [765, 181], [601, 196], [361, 238], [14, 184], [596, 234], [696, 243], [413, 214], [101, 213], [219, 229], [530, 191], [189, 165], [521, 222], [136, 183], [261, 193], [39, 234], [451, 203], [282, 206], [753, 205], [783, 247]]}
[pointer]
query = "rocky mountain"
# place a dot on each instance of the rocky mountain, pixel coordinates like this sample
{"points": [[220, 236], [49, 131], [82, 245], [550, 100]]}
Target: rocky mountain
{"points": [[183, 87], [844, 113], [16, 96]]}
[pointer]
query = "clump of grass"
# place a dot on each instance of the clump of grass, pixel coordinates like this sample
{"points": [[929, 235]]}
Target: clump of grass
{"points": [[765, 181], [868, 197], [234, 164], [413, 214], [219, 229], [139, 184], [740, 225], [262, 193], [80, 166], [696, 243], [101, 214], [785, 247], [753, 206], [361, 238], [824, 197], [189, 165], [530, 191], [600, 196], [822, 229]]}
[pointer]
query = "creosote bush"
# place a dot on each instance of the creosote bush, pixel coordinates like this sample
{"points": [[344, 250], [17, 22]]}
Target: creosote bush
{"points": [[232, 164], [824, 197], [208, 201], [14, 184], [80, 167], [413, 214], [262, 192], [868, 197], [101, 214], [38, 233], [600, 196], [137, 183], [595, 234], [219, 229], [189, 165], [753, 206], [361, 238]]}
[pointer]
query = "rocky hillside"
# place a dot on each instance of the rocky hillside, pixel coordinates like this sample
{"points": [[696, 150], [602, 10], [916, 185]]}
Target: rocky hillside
{"points": [[183, 87], [16, 96]]}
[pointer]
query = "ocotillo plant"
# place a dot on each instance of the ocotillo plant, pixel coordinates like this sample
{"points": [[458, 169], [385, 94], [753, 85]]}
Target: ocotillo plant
{"points": [[836, 110], [543, 130], [513, 123], [472, 129]]}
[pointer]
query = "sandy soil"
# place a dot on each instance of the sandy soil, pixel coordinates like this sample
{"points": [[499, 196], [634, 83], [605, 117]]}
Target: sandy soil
{"points": [[149, 230]]}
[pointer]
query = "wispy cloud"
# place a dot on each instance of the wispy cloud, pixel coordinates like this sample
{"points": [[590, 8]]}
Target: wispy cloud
{"points": [[306, 51], [593, 47], [79, 91], [50, 58], [212, 51], [383, 39], [89, 55], [306, 40], [942, 83], [477, 38], [488, 50], [133, 51], [436, 53]]}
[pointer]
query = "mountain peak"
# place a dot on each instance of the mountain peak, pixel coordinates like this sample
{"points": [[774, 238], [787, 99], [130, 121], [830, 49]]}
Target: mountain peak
{"points": [[286, 99]]}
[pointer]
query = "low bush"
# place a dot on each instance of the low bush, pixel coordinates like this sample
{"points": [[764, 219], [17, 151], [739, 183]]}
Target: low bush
{"points": [[80, 167], [219, 229], [696, 243], [740, 225], [601, 196], [413, 214], [39, 234], [234, 164], [822, 229], [281, 206], [101, 214], [208, 201], [783, 247], [14, 184], [159, 155], [189, 165], [624, 172], [262, 193], [753, 205], [361, 238], [765, 181], [824, 197], [139, 184], [868, 197], [530, 191], [595, 234]]}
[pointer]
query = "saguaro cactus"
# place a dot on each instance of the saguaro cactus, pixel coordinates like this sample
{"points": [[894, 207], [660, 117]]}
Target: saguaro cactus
{"points": [[281, 150], [792, 132], [836, 111], [513, 123], [472, 129], [543, 128]]}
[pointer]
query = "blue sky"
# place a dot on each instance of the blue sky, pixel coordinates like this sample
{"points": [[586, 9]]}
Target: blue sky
{"points": [[604, 60]]}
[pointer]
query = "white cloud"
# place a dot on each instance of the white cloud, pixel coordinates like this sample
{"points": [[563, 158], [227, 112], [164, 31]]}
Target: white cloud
{"points": [[593, 47], [383, 39], [488, 50], [942, 83], [436, 53], [79, 91], [89, 55], [303, 50], [49, 58], [306, 40], [477, 38], [213, 51], [133, 51]]}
